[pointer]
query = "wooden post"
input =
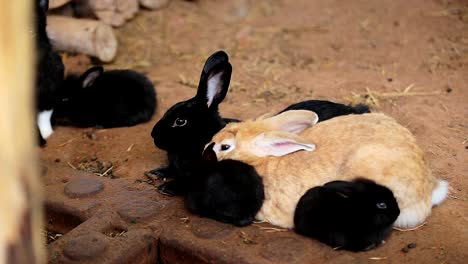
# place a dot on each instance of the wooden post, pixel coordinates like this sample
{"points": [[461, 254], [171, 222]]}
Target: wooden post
{"points": [[21, 239], [111, 12]]}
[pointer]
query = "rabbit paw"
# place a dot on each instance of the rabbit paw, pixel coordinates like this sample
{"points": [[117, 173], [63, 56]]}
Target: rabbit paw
{"points": [[170, 188], [161, 172]]}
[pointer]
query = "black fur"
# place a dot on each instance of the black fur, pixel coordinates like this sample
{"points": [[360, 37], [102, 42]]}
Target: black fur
{"points": [[108, 99], [346, 214], [197, 123], [229, 191], [326, 109], [49, 67]]}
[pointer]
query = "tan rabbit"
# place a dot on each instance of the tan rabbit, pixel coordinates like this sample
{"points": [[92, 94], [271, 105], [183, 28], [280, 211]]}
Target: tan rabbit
{"points": [[292, 158]]}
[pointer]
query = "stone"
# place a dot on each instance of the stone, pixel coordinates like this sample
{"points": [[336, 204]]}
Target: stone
{"points": [[137, 209], [83, 187]]}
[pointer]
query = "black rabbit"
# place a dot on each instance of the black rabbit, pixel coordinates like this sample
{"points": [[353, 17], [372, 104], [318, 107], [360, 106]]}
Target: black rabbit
{"points": [[108, 99], [229, 191], [187, 126], [326, 109], [49, 73], [355, 215]]}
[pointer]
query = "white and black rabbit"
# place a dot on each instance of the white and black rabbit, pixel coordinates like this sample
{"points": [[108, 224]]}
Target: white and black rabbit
{"points": [[108, 99], [356, 215], [229, 191], [189, 125], [49, 73]]}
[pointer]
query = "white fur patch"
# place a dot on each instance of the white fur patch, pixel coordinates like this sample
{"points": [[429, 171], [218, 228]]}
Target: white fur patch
{"points": [[214, 84], [440, 192], [43, 122], [412, 217]]}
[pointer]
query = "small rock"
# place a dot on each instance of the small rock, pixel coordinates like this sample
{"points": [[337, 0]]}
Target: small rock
{"points": [[412, 245], [57, 160], [91, 135], [405, 250], [449, 90], [106, 164], [83, 187]]}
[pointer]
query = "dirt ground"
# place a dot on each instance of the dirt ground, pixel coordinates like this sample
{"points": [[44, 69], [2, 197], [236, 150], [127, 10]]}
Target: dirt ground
{"points": [[408, 59]]}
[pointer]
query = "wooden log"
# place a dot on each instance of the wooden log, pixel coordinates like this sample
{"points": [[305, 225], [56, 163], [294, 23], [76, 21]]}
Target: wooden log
{"points": [[57, 3], [111, 12], [82, 35], [154, 4], [21, 219], [65, 10]]}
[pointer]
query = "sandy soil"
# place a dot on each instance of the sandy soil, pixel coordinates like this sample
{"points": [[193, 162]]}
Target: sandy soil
{"points": [[408, 59]]}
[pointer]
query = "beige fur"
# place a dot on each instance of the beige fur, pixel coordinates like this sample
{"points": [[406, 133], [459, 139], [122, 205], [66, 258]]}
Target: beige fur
{"points": [[373, 146]]}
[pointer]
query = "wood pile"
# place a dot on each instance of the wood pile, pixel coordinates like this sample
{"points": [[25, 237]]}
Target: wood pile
{"points": [[85, 26]]}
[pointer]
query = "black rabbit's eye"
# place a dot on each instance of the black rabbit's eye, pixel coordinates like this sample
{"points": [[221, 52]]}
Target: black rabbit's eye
{"points": [[179, 122], [225, 147], [381, 205]]}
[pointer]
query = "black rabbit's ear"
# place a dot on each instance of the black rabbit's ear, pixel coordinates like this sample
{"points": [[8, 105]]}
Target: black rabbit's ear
{"points": [[215, 59], [209, 154], [44, 5], [214, 80], [88, 78]]}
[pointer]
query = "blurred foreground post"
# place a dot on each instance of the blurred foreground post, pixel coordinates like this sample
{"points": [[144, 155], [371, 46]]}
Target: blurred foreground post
{"points": [[21, 239]]}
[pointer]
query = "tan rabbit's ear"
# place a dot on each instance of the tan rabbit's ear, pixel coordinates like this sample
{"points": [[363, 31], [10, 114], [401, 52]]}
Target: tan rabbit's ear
{"points": [[279, 143], [293, 121]]}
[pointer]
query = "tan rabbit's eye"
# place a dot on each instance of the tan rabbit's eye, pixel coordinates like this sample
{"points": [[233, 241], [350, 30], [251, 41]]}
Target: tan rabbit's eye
{"points": [[225, 147], [381, 205], [179, 122]]}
